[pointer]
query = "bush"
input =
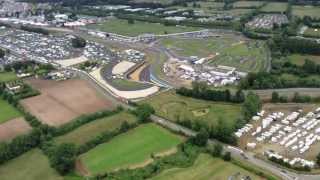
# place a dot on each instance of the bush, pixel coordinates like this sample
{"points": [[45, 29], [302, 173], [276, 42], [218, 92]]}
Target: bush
{"points": [[78, 42]]}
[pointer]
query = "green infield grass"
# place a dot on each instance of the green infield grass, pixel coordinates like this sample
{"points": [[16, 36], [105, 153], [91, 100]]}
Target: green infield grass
{"points": [[301, 11], [227, 50], [175, 107], [7, 76], [7, 111], [206, 168], [93, 129], [130, 149], [29, 166], [138, 27]]}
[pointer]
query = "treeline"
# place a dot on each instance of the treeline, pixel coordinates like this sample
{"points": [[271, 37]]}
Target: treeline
{"points": [[308, 68], [200, 90], [35, 30], [263, 80], [285, 45], [297, 98]]}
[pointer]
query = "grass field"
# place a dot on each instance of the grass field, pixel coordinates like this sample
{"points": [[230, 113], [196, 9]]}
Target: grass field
{"points": [[174, 107], [29, 166], [7, 112], [312, 32], [7, 76], [299, 59], [206, 168], [302, 11], [87, 132], [247, 4], [129, 149], [275, 7], [122, 27], [232, 51]]}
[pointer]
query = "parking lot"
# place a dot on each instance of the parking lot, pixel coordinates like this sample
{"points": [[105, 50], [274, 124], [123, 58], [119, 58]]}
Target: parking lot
{"points": [[267, 21], [292, 136]]}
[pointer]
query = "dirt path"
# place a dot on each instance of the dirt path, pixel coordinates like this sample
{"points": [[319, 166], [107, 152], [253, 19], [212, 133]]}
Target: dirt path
{"points": [[81, 168]]}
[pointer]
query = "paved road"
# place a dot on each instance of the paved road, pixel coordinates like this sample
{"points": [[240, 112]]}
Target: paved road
{"points": [[238, 153]]}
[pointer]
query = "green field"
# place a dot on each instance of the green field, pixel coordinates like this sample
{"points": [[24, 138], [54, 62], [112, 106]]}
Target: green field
{"points": [[91, 130], [299, 59], [228, 50], [7, 76], [129, 149], [302, 11], [29, 166], [7, 112], [247, 4], [122, 27], [206, 168], [312, 32], [174, 107], [275, 7]]}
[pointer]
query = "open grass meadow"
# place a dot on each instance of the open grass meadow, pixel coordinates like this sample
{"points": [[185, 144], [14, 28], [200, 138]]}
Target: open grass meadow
{"points": [[7, 76], [93, 129], [7, 111], [278, 7], [206, 168], [174, 107], [299, 59], [29, 166], [122, 27], [127, 85], [247, 4], [130, 149], [227, 50], [301, 11]]}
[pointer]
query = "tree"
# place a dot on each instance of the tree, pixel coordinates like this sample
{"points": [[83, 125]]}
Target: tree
{"points": [[62, 158], [318, 159], [275, 97], [2, 53], [143, 112], [227, 156], [251, 105], [217, 150], [78, 42], [201, 138]]}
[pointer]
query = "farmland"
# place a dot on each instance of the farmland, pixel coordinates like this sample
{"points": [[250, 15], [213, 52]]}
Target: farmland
{"points": [[206, 168], [118, 153], [229, 51], [299, 59], [95, 128], [7, 111], [7, 76], [124, 28], [173, 107], [302, 11], [29, 166], [275, 7], [13, 128], [60, 102]]}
